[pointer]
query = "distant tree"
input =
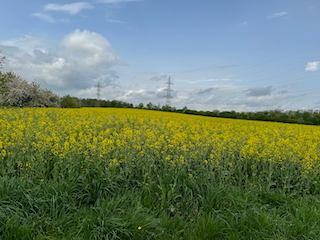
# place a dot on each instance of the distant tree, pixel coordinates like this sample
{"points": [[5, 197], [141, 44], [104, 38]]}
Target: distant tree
{"points": [[140, 106], [184, 109], [306, 116], [91, 102], [284, 116], [166, 108], [5, 78], [215, 113], [116, 103], [70, 102], [150, 106]]}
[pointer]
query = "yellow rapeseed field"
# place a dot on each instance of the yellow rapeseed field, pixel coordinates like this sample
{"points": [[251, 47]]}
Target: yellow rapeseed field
{"points": [[36, 141]]}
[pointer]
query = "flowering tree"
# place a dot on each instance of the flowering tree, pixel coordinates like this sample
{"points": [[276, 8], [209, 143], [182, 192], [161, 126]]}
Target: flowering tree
{"points": [[23, 94], [2, 59], [15, 91]]}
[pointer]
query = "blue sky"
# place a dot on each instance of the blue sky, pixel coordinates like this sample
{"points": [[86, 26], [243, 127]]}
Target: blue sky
{"points": [[223, 54]]}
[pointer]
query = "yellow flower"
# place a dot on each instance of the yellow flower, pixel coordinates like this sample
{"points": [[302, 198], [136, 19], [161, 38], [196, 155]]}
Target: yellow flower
{"points": [[108, 137], [139, 228]]}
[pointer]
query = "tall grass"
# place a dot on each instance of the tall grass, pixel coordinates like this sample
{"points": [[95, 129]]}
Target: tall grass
{"points": [[96, 205]]}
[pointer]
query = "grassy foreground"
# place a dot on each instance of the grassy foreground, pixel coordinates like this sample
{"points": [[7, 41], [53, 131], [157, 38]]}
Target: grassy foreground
{"points": [[96, 206], [134, 174]]}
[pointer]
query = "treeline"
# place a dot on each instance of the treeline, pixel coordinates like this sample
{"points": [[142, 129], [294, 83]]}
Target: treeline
{"points": [[302, 117], [311, 117], [74, 102]]}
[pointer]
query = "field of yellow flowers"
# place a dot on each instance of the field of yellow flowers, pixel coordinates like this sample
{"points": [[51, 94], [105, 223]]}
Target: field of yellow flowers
{"points": [[38, 142], [155, 175]]}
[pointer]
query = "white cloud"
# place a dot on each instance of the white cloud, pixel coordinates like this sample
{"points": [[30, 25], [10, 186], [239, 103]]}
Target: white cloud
{"points": [[312, 66], [116, 21], [116, 1], [209, 80], [243, 23], [44, 17], [72, 8], [145, 96], [79, 59], [25, 44], [212, 68], [91, 47], [279, 14], [259, 91]]}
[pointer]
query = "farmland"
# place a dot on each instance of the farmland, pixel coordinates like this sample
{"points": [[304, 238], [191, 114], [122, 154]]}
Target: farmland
{"points": [[107, 173]]}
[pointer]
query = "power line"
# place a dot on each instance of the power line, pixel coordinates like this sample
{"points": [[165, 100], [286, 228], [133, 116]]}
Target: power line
{"points": [[314, 27], [271, 44], [298, 79], [294, 80], [283, 75], [277, 67], [274, 59], [308, 91], [260, 64], [274, 77]]}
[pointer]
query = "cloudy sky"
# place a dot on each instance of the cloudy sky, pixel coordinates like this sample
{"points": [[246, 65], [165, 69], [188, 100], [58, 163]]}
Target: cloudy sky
{"points": [[224, 54]]}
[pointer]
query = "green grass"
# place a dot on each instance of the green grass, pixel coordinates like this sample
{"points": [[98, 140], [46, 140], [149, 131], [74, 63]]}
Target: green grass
{"points": [[114, 203]]}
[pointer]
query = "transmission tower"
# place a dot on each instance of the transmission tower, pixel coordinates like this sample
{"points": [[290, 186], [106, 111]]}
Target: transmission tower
{"points": [[98, 93], [168, 97]]}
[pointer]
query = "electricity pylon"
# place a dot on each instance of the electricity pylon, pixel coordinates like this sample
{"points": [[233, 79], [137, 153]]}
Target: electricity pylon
{"points": [[98, 93], [168, 97]]}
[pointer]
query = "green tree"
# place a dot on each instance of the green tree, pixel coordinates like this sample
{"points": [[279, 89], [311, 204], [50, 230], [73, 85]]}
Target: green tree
{"points": [[70, 102], [215, 113], [166, 108], [184, 109], [4, 77], [150, 106], [140, 106], [306, 116]]}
